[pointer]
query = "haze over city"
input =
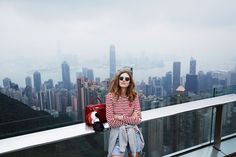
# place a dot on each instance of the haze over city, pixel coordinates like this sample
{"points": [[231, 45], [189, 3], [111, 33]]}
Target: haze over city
{"points": [[148, 35], [59, 81]]}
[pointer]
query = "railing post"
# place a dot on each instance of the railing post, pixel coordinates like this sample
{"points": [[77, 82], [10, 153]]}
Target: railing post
{"points": [[214, 92], [218, 126]]}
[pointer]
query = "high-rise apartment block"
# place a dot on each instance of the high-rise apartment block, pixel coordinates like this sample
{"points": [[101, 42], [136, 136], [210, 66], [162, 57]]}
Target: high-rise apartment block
{"points": [[192, 69], [191, 84], [88, 73], [66, 75], [80, 104], [167, 83], [232, 78], [28, 81], [37, 81], [176, 75]]}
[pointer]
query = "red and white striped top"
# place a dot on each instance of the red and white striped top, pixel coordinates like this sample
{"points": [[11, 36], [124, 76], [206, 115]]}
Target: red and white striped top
{"points": [[124, 107]]}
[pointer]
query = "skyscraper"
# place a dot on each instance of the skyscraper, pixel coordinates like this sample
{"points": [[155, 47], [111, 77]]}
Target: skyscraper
{"points": [[176, 75], [192, 69], [49, 99], [85, 72], [191, 84], [232, 78], [48, 84], [168, 83], [80, 107], [6, 82], [64, 98], [88, 73], [202, 81], [66, 75], [112, 61], [28, 81], [37, 81]]}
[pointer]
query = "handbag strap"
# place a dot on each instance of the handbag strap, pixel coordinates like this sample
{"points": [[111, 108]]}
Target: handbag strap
{"points": [[97, 98], [112, 102]]}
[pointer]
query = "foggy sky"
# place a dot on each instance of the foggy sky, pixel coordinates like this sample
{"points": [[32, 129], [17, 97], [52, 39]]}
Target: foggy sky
{"points": [[40, 34]]}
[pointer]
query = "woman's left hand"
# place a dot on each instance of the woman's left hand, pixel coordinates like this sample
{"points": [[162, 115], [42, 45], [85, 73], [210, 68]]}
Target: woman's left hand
{"points": [[118, 117]]}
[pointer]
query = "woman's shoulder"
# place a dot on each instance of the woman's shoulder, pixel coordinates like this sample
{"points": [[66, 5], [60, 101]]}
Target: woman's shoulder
{"points": [[136, 97], [110, 95]]}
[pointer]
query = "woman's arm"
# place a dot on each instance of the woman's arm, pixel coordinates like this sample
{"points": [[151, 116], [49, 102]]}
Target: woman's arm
{"points": [[111, 120], [136, 117]]}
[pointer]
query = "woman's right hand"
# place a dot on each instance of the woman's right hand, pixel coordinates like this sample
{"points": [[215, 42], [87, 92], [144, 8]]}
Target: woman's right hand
{"points": [[118, 117], [135, 114]]}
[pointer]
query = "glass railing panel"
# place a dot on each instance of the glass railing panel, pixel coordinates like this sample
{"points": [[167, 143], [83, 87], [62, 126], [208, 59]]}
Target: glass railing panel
{"points": [[22, 119], [218, 91], [151, 102], [10, 128], [162, 136], [175, 133], [17, 118], [92, 145], [228, 119]]}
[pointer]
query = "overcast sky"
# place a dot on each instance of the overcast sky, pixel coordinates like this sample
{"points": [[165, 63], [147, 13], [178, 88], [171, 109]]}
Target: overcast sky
{"points": [[39, 34]]}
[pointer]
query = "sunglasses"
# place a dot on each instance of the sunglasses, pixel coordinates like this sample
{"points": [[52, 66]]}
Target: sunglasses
{"points": [[124, 78]]}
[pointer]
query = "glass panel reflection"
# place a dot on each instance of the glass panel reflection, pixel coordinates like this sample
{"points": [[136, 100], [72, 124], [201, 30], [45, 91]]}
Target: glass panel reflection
{"points": [[84, 146], [228, 119], [162, 136], [171, 134]]}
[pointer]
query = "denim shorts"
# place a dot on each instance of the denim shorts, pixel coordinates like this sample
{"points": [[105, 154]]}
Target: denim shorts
{"points": [[116, 150]]}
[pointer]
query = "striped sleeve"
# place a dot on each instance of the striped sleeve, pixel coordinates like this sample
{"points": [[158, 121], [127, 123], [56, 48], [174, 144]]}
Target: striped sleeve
{"points": [[110, 113], [134, 120]]}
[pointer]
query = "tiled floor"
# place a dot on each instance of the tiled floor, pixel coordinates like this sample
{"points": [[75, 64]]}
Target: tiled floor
{"points": [[205, 152], [227, 147]]}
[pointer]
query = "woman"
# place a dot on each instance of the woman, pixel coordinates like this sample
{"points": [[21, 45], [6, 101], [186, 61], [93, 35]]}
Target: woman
{"points": [[123, 116]]}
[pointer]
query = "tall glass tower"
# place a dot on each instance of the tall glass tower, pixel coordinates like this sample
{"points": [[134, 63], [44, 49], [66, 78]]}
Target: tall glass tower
{"points": [[112, 61], [168, 83], [192, 70], [66, 75], [176, 75], [191, 83], [37, 81], [28, 81]]}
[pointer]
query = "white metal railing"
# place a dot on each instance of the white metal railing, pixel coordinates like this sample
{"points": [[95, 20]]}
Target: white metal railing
{"points": [[44, 137], [189, 106]]}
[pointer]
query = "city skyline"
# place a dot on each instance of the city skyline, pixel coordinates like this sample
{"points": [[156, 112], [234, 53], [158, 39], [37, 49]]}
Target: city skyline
{"points": [[77, 74], [39, 35]]}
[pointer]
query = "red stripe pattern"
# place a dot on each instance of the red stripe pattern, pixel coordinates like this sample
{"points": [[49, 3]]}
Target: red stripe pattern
{"points": [[124, 107]]}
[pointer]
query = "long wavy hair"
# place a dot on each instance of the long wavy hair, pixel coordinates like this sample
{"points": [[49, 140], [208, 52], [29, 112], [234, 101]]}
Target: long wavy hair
{"points": [[115, 88]]}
